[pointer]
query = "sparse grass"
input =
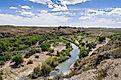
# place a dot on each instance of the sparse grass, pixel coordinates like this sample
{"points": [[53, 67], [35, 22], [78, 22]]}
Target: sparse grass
{"points": [[101, 75]]}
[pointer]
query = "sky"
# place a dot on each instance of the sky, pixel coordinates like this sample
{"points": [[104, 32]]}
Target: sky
{"points": [[78, 13]]}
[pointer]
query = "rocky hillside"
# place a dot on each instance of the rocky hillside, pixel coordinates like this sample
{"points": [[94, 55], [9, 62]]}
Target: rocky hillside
{"points": [[103, 64]]}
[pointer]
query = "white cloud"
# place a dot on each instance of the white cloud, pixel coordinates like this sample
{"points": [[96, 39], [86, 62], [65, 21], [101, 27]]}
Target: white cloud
{"points": [[25, 7], [43, 11], [87, 17], [84, 18], [97, 22], [41, 1], [94, 12], [100, 17], [59, 8], [12, 7], [115, 11], [26, 13], [73, 1], [50, 5], [62, 6], [64, 3], [40, 19]]}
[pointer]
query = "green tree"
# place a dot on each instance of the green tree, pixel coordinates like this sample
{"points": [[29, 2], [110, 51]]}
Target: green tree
{"points": [[3, 47], [101, 38], [83, 52], [45, 69], [36, 72], [67, 45], [45, 46], [7, 57], [30, 53], [51, 50], [52, 61], [18, 59], [90, 45]]}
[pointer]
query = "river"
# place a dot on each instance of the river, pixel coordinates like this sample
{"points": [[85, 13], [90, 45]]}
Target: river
{"points": [[64, 68]]}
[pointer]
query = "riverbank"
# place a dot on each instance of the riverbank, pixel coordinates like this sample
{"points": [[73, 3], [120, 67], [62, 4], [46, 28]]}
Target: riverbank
{"points": [[64, 67]]}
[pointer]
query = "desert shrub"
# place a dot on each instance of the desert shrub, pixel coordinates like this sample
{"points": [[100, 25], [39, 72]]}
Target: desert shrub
{"points": [[82, 44], [101, 38], [38, 50], [77, 63], [90, 45], [45, 69], [45, 46], [2, 62], [15, 44], [7, 57], [30, 62], [52, 61], [51, 50], [18, 59], [37, 56], [62, 58], [83, 52], [115, 36], [12, 40], [30, 53], [101, 74], [36, 72], [3, 47], [22, 47], [27, 42], [67, 45]]}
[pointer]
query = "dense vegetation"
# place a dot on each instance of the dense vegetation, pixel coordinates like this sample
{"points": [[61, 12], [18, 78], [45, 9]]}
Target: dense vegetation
{"points": [[10, 47]]}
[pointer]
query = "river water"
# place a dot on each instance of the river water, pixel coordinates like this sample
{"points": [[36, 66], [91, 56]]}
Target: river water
{"points": [[64, 67]]}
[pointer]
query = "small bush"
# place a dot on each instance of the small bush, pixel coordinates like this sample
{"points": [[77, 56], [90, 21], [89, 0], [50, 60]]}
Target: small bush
{"points": [[37, 56], [51, 50], [30, 62], [18, 59], [83, 52], [7, 57], [36, 73], [67, 45], [45, 46], [90, 45], [45, 69], [52, 61], [101, 39], [30, 53], [2, 62]]}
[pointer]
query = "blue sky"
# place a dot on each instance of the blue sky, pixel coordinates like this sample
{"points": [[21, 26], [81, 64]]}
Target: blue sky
{"points": [[84, 13]]}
